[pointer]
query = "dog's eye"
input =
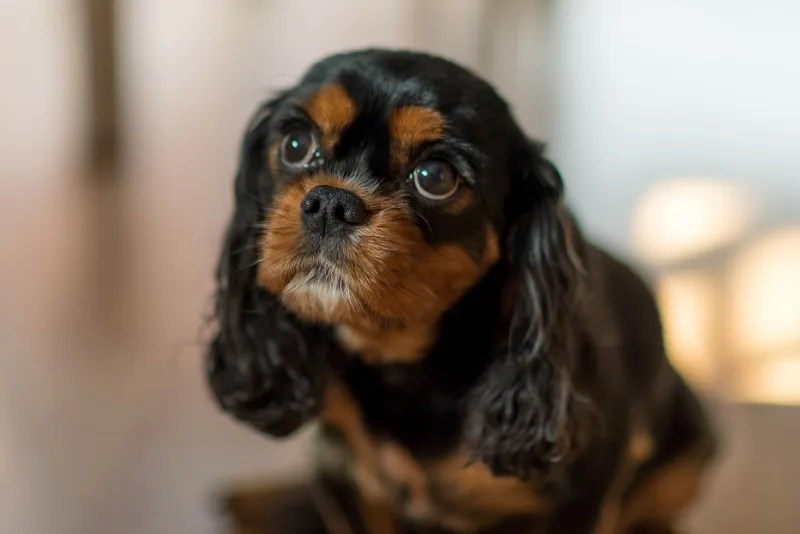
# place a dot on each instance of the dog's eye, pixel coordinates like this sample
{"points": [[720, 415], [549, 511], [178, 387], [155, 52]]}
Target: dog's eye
{"points": [[299, 147], [435, 179]]}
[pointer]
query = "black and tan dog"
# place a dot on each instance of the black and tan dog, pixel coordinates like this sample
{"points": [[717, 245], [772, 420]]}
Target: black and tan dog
{"points": [[401, 267]]}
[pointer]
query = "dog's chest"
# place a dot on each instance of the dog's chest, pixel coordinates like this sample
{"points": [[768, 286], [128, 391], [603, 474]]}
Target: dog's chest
{"points": [[400, 428], [415, 399]]}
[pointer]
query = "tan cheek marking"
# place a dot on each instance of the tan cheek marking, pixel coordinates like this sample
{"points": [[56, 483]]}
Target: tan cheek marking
{"points": [[449, 271], [425, 285], [410, 126], [452, 271], [465, 198], [422, 289], [332, 109], [491, 253], [280, 241]]}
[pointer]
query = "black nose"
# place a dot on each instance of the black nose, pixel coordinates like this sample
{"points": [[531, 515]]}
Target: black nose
{"points": [[331, 211]]}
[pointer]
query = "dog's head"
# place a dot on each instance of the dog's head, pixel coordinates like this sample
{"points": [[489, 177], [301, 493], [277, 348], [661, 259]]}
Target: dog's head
{"points": [[389, 173], [375, 194]]}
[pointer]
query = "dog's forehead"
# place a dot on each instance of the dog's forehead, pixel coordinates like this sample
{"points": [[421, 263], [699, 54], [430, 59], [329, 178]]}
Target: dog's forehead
{"points": [[385, 78]]}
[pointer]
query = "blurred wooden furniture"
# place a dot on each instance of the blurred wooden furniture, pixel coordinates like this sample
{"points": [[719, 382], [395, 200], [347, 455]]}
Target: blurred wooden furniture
{"points": [[102, 55], [259, 509]]}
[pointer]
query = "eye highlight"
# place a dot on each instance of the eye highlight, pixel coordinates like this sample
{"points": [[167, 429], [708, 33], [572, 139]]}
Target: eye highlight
{"points": [[299, 147], [435, 179]]}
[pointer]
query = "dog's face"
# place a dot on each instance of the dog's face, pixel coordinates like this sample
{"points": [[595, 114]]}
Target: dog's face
{"points": [[374, 195], [389, 176]]}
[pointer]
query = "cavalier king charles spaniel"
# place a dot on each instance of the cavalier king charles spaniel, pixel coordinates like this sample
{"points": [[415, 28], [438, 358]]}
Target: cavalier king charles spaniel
{"points": [[401, 268]]}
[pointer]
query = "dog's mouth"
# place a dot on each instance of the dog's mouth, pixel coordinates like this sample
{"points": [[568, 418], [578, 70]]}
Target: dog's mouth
{"points": [[325, 287], [320, 274], [321, 291]]}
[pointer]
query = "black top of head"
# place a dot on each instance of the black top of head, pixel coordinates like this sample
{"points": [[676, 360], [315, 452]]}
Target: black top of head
{"points": [[415, 78]]}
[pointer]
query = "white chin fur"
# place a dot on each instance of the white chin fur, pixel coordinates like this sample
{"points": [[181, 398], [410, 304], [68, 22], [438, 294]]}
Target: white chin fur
{"points": [[326, 294]]}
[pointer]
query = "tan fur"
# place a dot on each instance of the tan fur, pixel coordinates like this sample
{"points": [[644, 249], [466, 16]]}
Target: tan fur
{"points": [[341, 412], [379, 518], [638, 450], [410, 126], [667, 494], [463, 199], [469, 489], [273, 157], [386, 346], [332, 109], [406, 344], [333, 517]]}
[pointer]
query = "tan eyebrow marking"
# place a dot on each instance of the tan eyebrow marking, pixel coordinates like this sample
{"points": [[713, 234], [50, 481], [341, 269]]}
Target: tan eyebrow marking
{"points": [[332, 109], [410, 126]]}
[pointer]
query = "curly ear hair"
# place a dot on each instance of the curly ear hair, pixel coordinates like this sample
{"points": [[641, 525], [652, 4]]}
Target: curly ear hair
{"points": [[264, 366], [523, 414]]}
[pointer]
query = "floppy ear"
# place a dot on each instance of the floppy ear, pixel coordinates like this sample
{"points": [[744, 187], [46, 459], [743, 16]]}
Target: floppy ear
{"points": [[524, 413], [264, 366]]}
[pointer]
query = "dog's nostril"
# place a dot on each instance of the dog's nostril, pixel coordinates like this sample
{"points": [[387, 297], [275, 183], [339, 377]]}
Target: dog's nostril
{"points": [[338, 212], [354, 211], [309, 205], [349, 210]]}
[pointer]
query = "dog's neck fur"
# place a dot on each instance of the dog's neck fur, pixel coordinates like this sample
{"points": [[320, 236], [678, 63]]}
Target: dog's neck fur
{"points": [[377, 346], [431, 386]]}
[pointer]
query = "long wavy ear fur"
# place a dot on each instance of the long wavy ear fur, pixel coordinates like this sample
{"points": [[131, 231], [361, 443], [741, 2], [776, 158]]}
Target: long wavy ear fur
{"points": [[264, 366], [524, 414]]}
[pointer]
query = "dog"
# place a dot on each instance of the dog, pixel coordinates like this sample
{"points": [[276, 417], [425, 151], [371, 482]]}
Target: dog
{"points": [[402, 269]]}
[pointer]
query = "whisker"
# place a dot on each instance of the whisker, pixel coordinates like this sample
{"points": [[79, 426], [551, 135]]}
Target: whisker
{"points": [[245, 267], [245, 248], [253, 197], [418, 214]]}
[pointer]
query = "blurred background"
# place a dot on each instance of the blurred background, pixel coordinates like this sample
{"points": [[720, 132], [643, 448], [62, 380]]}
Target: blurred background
{"points": [[674, 122]]}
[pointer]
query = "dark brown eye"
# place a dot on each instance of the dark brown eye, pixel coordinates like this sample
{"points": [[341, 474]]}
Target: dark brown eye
{"points": [[299, 147], [435, 179]]}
